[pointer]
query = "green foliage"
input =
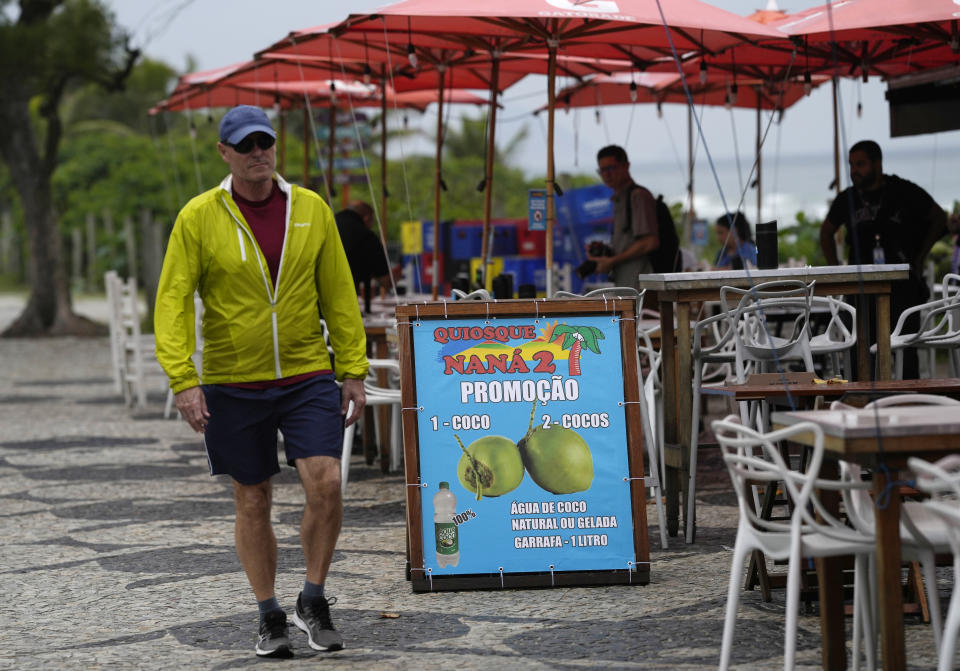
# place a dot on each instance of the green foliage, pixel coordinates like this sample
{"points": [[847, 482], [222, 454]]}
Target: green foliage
{"points": [[148, 83], [471, 140], [801, 241], [942, 256], [78, 42]]}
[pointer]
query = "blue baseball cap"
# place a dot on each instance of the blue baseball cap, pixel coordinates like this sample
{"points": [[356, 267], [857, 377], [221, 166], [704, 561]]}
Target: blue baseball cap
{"points": [[242, 120]]}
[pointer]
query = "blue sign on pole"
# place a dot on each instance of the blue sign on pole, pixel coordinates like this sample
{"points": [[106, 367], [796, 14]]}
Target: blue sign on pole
{"points": [[699, 232], [522, 432], [537, 220]]}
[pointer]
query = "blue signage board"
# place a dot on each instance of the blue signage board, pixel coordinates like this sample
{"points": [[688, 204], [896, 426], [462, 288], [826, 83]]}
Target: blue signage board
{"points": [[699, 232], [537, 219], [522, 428]]}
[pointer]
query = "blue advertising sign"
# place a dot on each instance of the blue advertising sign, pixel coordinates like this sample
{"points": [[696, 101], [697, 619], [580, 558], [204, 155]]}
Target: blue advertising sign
{"points": [[537, 220], [699, 232], [522, 445]]}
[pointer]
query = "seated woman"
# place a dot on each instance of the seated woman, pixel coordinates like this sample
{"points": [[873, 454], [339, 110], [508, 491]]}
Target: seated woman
{"points": [[737, 247]]}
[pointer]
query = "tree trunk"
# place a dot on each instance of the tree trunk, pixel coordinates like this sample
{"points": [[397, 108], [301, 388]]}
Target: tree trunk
{"points": [[48, 310]]}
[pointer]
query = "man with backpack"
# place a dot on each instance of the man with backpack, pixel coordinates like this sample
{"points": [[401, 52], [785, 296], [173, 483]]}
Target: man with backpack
{"points": [[644, 239]]}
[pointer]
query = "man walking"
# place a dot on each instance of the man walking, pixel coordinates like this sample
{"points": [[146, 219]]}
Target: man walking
{"points": [[634, 221], [892, 217], [263, 254]]}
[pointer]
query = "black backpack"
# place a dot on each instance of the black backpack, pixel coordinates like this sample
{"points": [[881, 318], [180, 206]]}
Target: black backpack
{"points": [[666, 257]]}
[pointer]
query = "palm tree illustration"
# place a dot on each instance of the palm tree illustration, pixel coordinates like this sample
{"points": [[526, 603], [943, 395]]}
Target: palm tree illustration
{"points": [[575, 338]]}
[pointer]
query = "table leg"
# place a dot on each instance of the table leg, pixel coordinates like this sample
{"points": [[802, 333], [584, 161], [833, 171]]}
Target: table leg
{"points": [[668, 384], [833, 654], [888, 573], [383, 411], [685, 412], [883, 337], [369, 439], [863, 339]]}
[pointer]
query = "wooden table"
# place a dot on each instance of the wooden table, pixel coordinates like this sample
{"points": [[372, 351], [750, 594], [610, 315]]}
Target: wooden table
{"points": [[883, 440], [676, 292], [755, 391]]}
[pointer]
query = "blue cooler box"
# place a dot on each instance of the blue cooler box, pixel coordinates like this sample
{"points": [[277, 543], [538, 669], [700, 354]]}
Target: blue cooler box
{"points": [[504, 240], [466, 241], [427, 228]]}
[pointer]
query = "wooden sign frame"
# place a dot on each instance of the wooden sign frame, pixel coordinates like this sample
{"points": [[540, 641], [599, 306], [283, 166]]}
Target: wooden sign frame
{"points": [[409, 315]]}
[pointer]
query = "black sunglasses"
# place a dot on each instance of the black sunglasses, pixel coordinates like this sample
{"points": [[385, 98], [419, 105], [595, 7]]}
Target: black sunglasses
{"points": [[245, 146]]}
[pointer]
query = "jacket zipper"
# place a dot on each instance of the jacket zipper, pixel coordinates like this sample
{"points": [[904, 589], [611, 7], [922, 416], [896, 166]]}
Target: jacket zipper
{"points": [[271, 295], [243, 247]]}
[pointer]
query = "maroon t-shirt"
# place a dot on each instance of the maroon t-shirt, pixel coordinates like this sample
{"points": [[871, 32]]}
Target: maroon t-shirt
{"points": [[267, 220]]}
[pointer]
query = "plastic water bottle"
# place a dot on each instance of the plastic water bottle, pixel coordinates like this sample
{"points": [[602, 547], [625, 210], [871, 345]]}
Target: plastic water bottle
{"points": [[878, 256], [444, 528]]}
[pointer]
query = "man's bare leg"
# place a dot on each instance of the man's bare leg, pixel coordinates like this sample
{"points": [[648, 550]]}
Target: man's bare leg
{"points": [[322, 513], [254, 538], [319, 530]]}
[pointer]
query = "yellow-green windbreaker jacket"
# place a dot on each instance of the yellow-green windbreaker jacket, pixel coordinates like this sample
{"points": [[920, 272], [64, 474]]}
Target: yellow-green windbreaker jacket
{"points": [[252, 330]]}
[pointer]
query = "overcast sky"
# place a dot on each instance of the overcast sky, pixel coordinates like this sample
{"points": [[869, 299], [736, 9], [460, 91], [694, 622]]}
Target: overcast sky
{"points": [[216, 33]]}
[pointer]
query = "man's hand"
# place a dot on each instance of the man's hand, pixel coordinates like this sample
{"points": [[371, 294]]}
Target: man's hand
{"points": [[604, 264], [352, 390], [192, 405]]}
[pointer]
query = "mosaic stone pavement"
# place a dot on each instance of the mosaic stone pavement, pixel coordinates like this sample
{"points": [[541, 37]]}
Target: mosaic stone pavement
{"points": [[118, 553]]}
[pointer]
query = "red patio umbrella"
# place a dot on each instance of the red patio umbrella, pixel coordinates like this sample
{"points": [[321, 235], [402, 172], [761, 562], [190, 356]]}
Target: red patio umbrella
{"points": [[440, 62], [266, 83], [616, 29]]}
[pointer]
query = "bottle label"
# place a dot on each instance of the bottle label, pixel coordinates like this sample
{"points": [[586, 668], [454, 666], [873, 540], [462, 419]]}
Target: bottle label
{"points": [[447, 541]]}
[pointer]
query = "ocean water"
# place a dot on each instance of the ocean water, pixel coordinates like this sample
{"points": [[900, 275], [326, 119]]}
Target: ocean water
{"points": [[794, 183], [797, 155]]}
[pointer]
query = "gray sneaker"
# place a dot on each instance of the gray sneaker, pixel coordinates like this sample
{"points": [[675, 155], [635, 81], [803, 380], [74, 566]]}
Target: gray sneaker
{"points": [[315, 621], [274, 641]]}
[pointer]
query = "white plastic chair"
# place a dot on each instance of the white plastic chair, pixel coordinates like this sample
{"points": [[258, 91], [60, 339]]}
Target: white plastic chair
{"points": [[942, 481], [475, 295], [746, 342], [790, 299], [126, 346], [112, 282], [753, 457], [348, 433], [390, 395], [922, 536], [939, 329], [838, 338], [376, 395]]}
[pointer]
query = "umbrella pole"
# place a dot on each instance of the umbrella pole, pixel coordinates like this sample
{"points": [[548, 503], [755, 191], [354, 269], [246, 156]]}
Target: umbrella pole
{"points": [[383, 161], [836, 140], [688, 222], [759, 167], [306, 149], [283, 142], [332, 139], [488, 169], [436, 187], [551, 208]]}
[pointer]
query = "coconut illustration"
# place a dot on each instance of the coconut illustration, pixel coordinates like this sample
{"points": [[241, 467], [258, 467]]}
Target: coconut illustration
{"points": [[558, 459], [490, 466]]}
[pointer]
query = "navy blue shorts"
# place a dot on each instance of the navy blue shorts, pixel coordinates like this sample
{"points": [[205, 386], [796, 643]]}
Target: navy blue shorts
{"points": [[241, 438]]}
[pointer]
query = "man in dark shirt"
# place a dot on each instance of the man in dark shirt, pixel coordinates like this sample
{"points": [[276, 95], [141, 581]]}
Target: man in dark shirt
{"points": [[893, 213], [364, 250]]}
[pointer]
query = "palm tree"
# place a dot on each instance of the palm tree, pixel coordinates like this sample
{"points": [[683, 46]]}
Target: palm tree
{"points": [[472, 137], [574, 339]]}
